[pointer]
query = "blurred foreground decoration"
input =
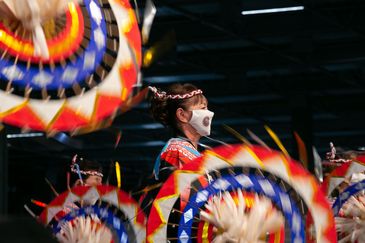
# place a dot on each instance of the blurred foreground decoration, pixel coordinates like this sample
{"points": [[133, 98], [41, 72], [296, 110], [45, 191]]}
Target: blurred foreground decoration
{"points": [[221, 175], [95, 214], [94, 59]]}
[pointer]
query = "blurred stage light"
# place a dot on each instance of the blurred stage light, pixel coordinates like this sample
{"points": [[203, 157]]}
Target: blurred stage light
{"points": [[25, 135], [272, 10]]}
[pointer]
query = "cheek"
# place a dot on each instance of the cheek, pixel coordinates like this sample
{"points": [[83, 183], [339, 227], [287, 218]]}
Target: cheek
{"points": [[93, 181], [89, 181], [189, 114]]}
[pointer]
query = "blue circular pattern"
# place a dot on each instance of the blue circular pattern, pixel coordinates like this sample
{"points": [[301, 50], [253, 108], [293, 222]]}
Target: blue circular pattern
{"points": [[71, 73], [344, 196], [106, 215], [251, 183]]}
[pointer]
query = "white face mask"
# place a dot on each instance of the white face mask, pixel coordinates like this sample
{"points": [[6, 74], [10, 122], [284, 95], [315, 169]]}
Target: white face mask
{"points": [[201, 121]]}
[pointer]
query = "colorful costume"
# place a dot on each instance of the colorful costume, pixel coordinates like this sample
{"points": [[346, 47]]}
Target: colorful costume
{"points": [[236, 181], [114, 218], [176, 153], [345, 187]]}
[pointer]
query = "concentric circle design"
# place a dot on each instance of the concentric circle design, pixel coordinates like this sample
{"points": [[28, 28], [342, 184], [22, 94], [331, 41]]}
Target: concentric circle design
{"points": [[346, 195], [71, 72], [61, 43], [91, 71], [348, 209], [102, 214], [251, 183], [336, 186], [98, 201], [266, 160]]}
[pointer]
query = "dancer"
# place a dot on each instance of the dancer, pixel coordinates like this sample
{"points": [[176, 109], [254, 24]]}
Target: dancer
{"points": [[92, 212], [184, 109], [83, 173], [86, 172]]}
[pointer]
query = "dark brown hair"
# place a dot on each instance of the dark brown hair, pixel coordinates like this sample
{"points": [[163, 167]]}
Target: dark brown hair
{"points": [[164, 110]]}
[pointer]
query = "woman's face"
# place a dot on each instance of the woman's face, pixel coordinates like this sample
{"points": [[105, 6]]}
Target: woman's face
{"points": [[203, 105], [93, 180], [197, 124]]}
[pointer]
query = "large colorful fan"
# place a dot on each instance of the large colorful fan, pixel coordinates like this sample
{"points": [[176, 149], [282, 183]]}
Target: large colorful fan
{"points": [[95, 214], [66, 64], [348, 204], [239, 193], [349, 210], [342, 173]]}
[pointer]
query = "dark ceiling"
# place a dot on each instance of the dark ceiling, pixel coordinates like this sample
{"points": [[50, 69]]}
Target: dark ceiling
{"points": [[301, 71]]}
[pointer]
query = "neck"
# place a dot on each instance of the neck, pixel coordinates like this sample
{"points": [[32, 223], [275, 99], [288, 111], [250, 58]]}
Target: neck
{"points": [[191, 134]]}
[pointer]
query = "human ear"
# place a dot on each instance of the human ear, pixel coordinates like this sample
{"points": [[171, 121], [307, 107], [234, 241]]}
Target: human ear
{"points": [[182, 115]]}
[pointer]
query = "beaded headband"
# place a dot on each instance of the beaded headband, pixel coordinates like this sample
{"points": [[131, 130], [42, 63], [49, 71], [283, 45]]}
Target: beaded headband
{"points": [[75, 168], [87, 172], [164, 95]]}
